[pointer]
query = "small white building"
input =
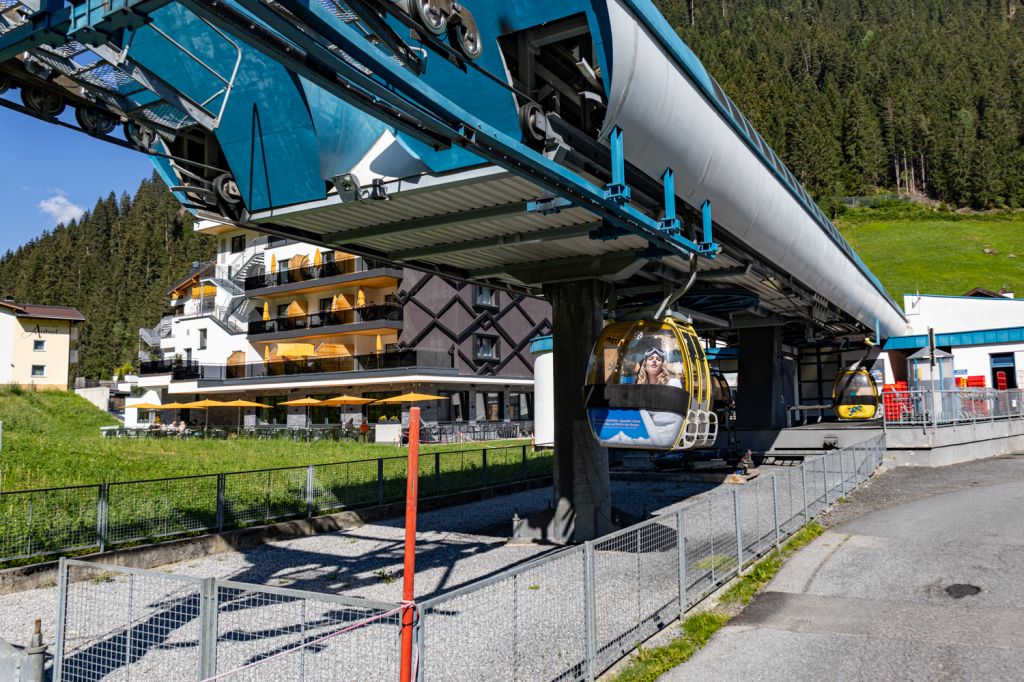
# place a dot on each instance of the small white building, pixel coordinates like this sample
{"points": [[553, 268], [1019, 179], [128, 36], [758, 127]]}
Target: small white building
{"points": [[983, 330]]}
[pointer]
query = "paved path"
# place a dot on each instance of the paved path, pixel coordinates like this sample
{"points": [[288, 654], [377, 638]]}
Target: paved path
{"points": [[871, 599]]}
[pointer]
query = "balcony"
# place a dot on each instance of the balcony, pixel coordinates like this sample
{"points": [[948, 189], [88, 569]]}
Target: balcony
{"points": [[373, 362], [310, 274], [386, 312]]}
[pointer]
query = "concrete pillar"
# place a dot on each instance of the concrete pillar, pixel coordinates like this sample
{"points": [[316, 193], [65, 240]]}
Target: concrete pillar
{"points": [[761, 399], [582, 491]]}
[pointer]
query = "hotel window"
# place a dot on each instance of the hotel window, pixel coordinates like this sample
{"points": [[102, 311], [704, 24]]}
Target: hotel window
{"points": [[520, 406], [39, 345], [38, 371], [489, 407], [485, 296], [486, 347], [238, 244], [202, 339]]}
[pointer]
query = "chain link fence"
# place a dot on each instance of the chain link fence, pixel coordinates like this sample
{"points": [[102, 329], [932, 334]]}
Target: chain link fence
{"points": [[567, 616], [119, 623], [55, 521], [571, 615]]}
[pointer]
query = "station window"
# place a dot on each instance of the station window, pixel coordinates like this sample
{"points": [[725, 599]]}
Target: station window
{"points": [[238, 244], [486, 347], [520, 406], [38, 371], [485, 296], [39, 345]]}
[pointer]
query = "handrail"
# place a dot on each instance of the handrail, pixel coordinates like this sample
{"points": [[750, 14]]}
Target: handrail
{"points": [[384, 312], [308, 273]]}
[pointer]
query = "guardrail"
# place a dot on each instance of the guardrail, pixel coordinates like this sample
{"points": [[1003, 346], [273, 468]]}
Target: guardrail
{"points": [[385, 312], [951, 408], [567, 616], [311, 273], [55, 521], [370, 362]]}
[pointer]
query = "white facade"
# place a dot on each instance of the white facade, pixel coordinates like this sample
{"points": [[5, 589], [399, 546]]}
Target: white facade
{"points": [[967, 314]]}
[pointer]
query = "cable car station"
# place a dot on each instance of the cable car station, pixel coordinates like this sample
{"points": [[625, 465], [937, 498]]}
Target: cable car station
{"points": [[576, 150]]}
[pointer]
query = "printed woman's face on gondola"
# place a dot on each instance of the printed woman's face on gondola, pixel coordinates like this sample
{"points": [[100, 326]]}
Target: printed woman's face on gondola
{"points": [[653, 364]]}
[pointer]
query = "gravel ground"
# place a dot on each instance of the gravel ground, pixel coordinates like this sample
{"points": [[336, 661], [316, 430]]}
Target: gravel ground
{"points": [[456, 546]]}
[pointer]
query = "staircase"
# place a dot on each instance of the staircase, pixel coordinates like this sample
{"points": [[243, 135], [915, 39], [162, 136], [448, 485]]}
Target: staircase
{"points": [[230, 279]]}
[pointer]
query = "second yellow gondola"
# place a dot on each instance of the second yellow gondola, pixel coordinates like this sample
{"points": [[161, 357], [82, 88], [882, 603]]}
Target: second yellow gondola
{"points": [[855, 395], [649, 387]]}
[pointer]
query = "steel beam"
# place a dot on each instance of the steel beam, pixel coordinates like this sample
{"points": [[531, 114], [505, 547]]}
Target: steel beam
{"points": [[563, 269]]}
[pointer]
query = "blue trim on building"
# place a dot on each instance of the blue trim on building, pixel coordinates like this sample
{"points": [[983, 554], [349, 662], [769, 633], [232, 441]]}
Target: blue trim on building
{"points": [[722, 353], [956, 339]]}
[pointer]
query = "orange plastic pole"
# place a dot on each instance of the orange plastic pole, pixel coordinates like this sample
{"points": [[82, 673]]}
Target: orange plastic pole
{"points": [[412, 479]]}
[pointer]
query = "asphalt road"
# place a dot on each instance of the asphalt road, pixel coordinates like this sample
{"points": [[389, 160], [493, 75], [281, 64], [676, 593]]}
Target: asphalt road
{"points": [[888, 592]]}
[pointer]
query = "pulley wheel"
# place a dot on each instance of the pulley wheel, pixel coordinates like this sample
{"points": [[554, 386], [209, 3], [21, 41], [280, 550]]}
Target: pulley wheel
{"points": [[531, 120], [467, 37], [95, 121], [227, 189], [42, 102], [430, 16], [139, 135]]}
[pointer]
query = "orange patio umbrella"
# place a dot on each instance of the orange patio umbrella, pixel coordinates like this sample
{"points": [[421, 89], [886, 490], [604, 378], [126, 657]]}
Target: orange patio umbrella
{"points": [[303, 402], [205, 406], [244, 403], [266, 311], [410, 398]]}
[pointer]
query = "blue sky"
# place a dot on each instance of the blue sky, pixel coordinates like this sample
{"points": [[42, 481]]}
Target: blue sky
{"points": [[49, 174]]}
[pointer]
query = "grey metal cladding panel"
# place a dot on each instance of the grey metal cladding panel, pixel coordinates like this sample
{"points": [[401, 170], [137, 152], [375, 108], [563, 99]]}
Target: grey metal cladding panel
{"points": [[435, 202], [533, 253]]}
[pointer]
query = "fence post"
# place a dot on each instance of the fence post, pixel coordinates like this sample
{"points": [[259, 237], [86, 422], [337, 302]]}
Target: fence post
{"points": [[380, 481], [842, 474], [309, 491], [739, 531], [824, 476], [523, 471], [803, 486], [681, 555], [437, 474], [590, 608], [483, 453], [221, 485], [102, 516], [207, 628], [775, 507], [62, 609]]}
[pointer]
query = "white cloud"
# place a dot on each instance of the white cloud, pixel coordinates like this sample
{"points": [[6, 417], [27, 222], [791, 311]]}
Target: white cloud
{"points": [[60, 209]]}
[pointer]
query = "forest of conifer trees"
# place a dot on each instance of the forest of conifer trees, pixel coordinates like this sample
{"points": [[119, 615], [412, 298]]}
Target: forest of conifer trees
{"points": [[115, 264], [916, 97], [921, 97]]}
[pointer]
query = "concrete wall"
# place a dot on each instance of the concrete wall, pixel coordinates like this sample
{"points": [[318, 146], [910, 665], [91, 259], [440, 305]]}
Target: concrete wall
{"points": [[947, 445], [99, 396]]}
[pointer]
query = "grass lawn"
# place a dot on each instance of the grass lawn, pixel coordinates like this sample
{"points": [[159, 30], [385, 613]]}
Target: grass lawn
{"points": [[940, 253], [53, 439]]}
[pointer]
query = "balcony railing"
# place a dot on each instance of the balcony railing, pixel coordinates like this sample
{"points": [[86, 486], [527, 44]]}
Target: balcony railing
{"points": [[402, 359], [386, 312], [310, 273]]}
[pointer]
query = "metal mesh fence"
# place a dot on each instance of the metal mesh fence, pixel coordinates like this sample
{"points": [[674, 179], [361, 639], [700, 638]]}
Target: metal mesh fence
{"points": [[37, 523], [573, 614], [567, 616], [153, 509], [277, 634], [119, 624], [526, 624], [42, 522]]}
